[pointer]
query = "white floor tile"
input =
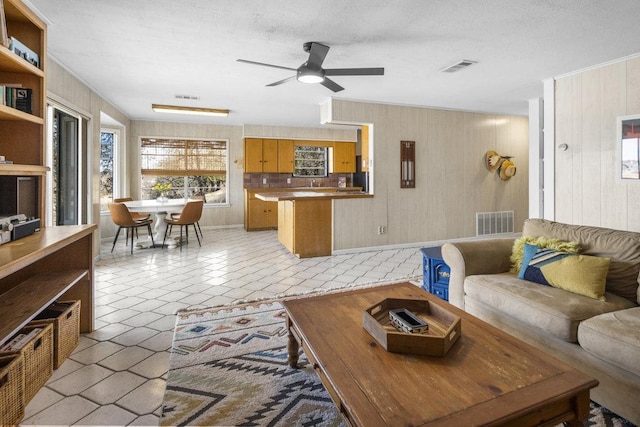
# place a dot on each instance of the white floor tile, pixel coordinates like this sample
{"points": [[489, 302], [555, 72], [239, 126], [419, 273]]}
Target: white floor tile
{"points": [[144, 399], [109, 331], [134, 336], [109, 415], [80, 380], [112, 388], [159, 342], [65, 412], [146, 420], [67, 367], [126, 358], [42, 400], [96, 353], [152, 367]]}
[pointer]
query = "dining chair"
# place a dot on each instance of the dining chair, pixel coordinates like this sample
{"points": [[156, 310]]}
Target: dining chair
{"points": [[138, 216], [190, 215], [176, 215], [134, 215], [121, 217]]}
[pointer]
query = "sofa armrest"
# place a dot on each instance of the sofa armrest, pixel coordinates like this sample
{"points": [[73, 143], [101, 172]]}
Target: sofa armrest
{"points": [[489, 256]]}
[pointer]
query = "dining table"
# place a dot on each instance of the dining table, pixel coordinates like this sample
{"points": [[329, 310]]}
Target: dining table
{"points": [[160, 208]]}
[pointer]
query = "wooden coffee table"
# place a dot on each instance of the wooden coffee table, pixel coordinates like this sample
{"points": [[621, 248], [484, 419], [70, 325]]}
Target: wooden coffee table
{"points": [[486, 378]]}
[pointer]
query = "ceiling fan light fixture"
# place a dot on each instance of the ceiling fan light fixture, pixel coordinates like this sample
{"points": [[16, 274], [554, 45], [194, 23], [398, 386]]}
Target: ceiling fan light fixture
{"points": [[198, 111], [310, 76]]}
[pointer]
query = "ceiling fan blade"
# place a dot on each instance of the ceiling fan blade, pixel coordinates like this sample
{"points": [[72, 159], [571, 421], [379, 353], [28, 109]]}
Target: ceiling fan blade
{"points": [[279, 82], [354, 72], [265, 65], [317, 53], [328, 83]]}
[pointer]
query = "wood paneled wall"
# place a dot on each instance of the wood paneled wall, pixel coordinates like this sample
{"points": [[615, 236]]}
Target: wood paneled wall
{"points": [[222, 215], [285, 132], [587, 105], [452, 182], [73, 93]]}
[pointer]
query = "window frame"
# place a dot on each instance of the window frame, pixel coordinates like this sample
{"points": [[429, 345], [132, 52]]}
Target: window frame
{"points": [[116, 166], [185, 187], [325, 150]]}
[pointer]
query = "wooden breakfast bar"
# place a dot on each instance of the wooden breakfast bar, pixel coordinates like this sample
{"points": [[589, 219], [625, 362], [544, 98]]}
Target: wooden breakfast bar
{"points": [[305, 219]]}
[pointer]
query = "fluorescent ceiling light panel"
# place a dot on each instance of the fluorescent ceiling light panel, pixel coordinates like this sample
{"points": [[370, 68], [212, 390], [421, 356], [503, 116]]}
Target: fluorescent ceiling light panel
{"points": [[175, 109]]}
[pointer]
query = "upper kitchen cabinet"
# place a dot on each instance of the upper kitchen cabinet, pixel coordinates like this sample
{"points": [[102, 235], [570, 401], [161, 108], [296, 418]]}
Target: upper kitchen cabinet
{"points": [[343, 159], [260, 155], [285, 156], [23, 106]]}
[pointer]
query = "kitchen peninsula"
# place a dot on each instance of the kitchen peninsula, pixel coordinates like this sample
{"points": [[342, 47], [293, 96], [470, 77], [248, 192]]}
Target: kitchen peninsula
{"points": [[305, 219]]}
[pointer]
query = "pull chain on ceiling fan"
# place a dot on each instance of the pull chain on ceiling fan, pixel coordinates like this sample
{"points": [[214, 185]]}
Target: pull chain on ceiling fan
{"points": [[312, 72]]}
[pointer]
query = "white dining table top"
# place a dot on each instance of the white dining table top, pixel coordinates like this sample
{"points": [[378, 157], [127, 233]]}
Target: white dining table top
{"points": [[155, 205]]}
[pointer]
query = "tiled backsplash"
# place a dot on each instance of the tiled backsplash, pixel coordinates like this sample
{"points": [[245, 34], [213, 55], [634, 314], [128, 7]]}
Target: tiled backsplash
{"points": [[279, 180]]}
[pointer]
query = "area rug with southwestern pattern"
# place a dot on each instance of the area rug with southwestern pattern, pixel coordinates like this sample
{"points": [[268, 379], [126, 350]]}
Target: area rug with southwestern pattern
{"points": [[229, 367]]}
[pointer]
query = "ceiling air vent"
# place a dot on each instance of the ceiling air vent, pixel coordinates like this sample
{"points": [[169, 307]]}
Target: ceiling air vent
{"points": [[458, 66], [187, 97]]}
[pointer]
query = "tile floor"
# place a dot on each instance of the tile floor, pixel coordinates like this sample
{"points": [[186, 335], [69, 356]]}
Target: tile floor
{"points": [[116, 375]]}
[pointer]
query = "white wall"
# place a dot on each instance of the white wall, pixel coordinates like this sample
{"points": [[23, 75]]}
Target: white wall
{"points": [[586, 107]]}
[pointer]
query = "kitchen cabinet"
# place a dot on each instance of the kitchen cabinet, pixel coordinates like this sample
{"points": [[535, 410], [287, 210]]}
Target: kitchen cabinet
{"points": [[258, 214], [343, 159], [305, 219], [285, 156], [22, 134], [260, 155]]}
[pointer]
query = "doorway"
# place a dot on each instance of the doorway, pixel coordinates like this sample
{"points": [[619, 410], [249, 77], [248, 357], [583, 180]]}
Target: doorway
{"points": [[66, 164]]}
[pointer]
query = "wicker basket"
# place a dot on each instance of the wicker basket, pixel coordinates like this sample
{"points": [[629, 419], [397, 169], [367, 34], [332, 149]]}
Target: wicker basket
{"points": [[65, 317], [11, 389], [38, 360]]}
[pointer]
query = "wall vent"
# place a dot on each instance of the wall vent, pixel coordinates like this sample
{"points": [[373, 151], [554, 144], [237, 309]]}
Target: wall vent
{"points": [[458, 66], [488, 223], [187, 97]]}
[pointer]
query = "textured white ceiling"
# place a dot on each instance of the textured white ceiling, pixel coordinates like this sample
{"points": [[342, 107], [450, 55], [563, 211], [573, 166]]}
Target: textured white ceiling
{"points": [[135, 53]]}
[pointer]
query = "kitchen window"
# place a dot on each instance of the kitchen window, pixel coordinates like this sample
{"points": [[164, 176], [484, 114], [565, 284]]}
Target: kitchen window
{"points": [[188, 167], [310, 161]]}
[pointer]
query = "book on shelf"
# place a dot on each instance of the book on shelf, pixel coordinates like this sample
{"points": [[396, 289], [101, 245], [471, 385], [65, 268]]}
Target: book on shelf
{"points": [[18, 97]]}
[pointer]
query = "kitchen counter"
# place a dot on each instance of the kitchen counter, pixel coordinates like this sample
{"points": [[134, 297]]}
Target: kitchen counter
{"points": [[305, 218], [310, 194]]}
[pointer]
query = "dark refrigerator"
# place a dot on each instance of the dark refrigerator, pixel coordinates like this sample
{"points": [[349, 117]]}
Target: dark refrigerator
{"points": [[360, 179]]}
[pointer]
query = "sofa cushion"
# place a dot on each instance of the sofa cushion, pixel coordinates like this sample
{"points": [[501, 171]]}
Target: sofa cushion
{"points": [[622, 247], [554, 310], [583, 274], [614, 337]]}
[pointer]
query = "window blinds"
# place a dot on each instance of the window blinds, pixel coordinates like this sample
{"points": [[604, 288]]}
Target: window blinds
{"points": [[182, 157]]}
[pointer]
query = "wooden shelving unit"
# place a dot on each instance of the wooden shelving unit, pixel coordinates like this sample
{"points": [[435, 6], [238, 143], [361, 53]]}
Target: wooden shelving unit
{"points": [[22, 135]]}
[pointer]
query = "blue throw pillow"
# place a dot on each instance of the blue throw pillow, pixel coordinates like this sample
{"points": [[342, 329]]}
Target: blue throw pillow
{"points": [[581, 274]]}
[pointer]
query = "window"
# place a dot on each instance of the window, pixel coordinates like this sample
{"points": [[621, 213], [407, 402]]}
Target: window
{"points": [[310, 161], [108, 140], [191, 167]]}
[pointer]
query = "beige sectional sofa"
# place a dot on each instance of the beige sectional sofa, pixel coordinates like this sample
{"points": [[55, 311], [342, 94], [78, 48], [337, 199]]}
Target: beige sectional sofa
{"points": [[601, 338]]}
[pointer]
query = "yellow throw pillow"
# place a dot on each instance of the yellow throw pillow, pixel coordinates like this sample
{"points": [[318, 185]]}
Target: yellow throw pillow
{"points": [[541, 242], [581, 274]]}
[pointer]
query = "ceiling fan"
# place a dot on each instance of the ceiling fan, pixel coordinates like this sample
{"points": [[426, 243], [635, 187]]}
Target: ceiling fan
{"points": [[312, 72]]}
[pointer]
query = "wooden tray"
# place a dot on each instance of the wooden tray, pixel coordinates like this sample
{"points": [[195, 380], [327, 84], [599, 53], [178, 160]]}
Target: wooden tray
{"points": [[444, 327]]}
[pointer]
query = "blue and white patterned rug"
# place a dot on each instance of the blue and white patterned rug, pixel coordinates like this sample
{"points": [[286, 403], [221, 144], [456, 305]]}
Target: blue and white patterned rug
{"points": [[229, 367]]}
